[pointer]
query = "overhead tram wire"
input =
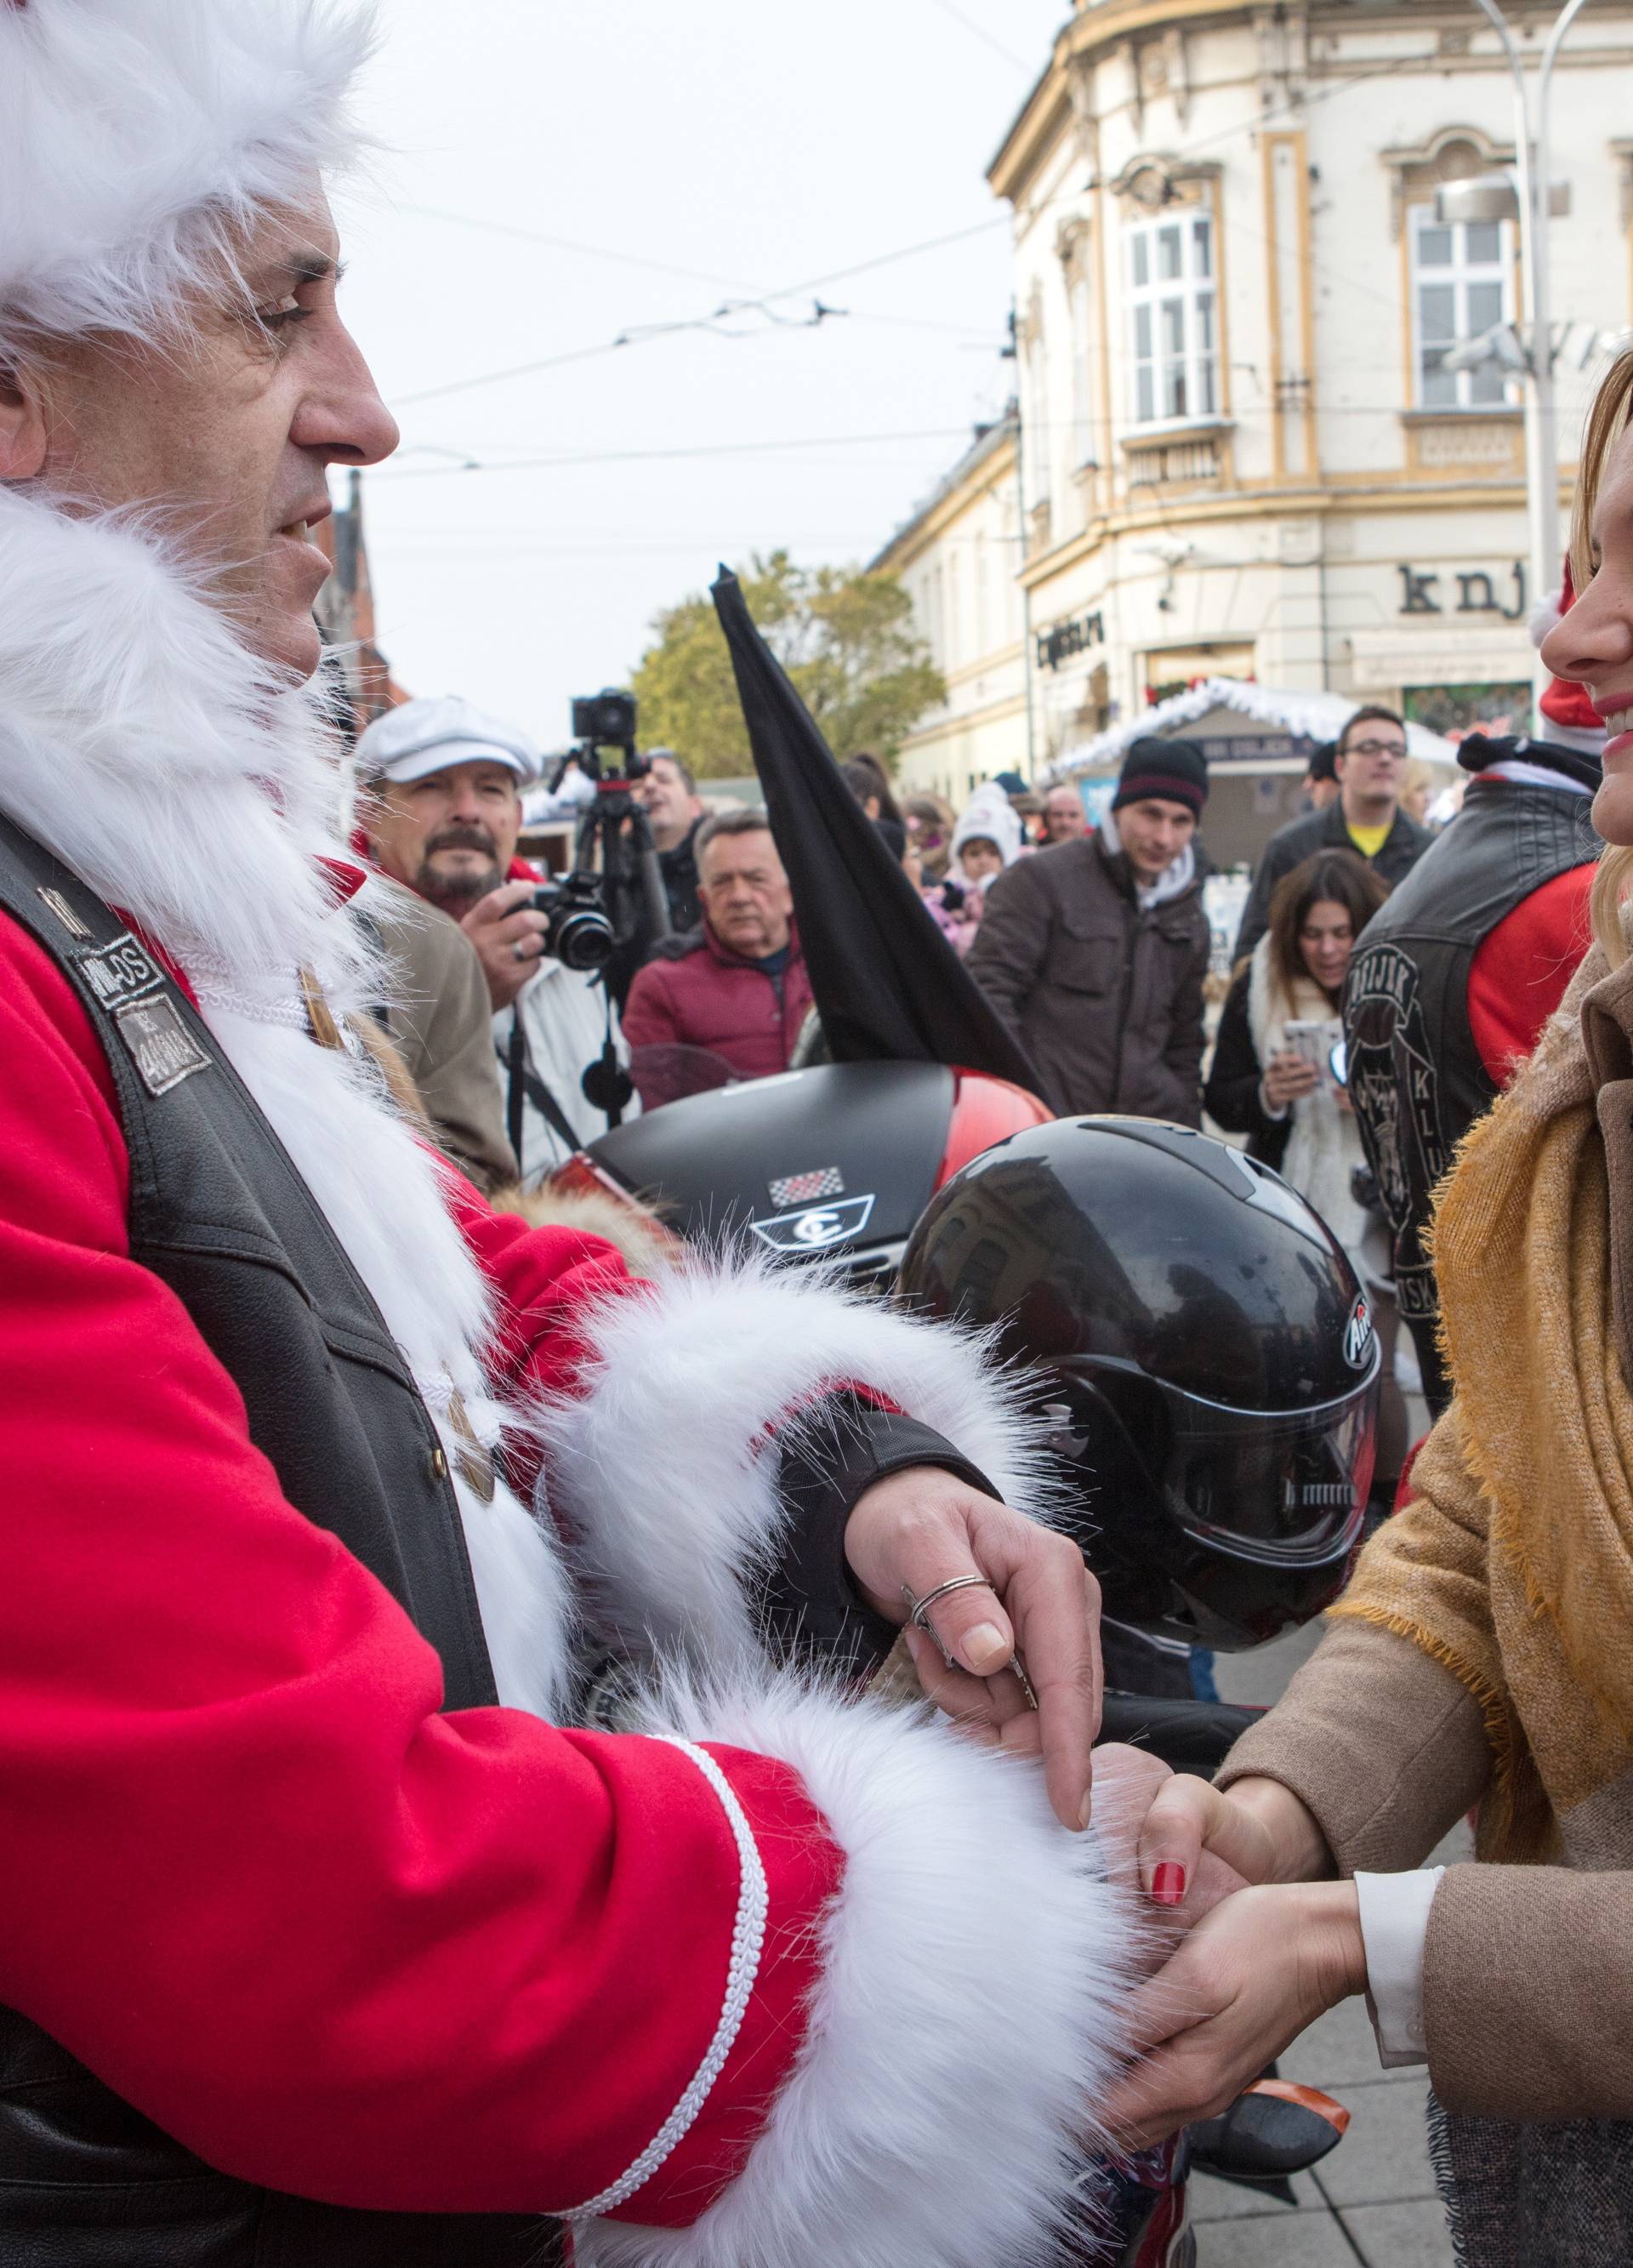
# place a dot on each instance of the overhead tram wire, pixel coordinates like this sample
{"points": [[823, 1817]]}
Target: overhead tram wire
{"points": [[647, 456], [764, 304], [987, 38], [644, 334], [572, 244]]}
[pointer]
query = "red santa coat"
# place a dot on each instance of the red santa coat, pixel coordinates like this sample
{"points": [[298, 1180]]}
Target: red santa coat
{"points": [[788, 1980]]}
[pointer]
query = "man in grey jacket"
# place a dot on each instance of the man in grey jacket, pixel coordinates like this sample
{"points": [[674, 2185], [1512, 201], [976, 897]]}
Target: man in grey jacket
{"points": [[1095, 950]]}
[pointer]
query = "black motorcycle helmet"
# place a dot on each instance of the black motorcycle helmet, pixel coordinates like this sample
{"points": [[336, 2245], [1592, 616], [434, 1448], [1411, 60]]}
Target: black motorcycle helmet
{"points": [[1203, 1348]]}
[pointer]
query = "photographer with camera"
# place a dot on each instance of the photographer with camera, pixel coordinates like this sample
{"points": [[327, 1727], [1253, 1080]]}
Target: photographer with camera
{"points": [[443, 815]]}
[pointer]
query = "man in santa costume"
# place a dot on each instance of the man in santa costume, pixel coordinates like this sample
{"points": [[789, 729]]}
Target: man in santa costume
{"points": [[332, 1929]]}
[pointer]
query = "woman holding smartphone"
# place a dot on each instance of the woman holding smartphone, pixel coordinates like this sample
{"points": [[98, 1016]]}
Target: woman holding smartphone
{"points": [[1271, 1077]]}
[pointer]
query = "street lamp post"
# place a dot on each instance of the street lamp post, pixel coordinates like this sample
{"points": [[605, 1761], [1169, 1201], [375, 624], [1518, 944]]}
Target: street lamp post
{"points": [[1534, 198]]}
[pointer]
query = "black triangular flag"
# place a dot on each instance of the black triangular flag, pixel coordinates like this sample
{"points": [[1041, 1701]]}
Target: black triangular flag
{"points": [[888, 985]]}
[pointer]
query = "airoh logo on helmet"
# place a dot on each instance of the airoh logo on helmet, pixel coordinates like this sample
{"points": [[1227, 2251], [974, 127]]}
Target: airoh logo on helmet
{"points": [[1358, 1336], [815, 1227]]}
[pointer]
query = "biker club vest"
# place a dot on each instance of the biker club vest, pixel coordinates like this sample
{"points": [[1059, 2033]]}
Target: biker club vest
{"points": [[219, 1214], [1415, 1076]]}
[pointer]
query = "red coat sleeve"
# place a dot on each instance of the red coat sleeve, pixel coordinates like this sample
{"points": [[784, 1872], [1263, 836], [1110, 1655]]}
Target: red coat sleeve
{"points": [[1522, 967], [330, 1938], [649, 1017]]}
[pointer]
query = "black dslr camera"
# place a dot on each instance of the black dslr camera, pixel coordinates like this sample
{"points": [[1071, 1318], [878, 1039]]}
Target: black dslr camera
{"points": [[580, 936], [607, 720]]}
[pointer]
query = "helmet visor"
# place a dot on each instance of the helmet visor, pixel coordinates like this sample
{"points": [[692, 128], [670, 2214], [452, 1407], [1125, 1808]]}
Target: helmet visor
{"points": [[1273, 1486]]}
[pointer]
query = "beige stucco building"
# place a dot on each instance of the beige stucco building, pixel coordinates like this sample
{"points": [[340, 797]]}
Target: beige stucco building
{"points": [[1238, 452]]}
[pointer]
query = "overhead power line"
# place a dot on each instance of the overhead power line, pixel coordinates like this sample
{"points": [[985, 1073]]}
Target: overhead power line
{"points": [[981, 33], [647, 456], [764, 304], [572, 244]]}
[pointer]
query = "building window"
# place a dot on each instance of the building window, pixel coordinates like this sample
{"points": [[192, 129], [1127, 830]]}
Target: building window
{"points": [[1171, 308], [1462, 281]]}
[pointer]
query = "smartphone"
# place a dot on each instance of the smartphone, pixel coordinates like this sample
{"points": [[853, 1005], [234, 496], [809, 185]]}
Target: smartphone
{"points": [[1314, 1039]]}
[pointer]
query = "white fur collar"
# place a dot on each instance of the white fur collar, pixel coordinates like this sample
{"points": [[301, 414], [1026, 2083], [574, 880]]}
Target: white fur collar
{"points": [[144, 745], [150, 749]]}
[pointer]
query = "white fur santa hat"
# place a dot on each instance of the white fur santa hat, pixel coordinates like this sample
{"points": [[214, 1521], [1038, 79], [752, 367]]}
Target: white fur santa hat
{"points": [[138, 138], [1567, 714]]}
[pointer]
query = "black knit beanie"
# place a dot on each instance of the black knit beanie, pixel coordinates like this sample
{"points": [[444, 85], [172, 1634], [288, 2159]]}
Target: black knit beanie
{"points": [[1174, 771]]}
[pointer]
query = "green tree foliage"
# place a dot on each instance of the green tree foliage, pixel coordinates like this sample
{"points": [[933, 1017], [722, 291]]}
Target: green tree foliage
{"points": [[844, 636]]}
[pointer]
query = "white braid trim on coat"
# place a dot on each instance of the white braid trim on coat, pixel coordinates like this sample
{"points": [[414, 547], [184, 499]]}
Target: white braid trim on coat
{"points": [[965, 2024], [748, 1934]]}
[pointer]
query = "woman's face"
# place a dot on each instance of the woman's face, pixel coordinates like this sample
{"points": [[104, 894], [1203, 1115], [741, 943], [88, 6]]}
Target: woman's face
{"points": [[979, 858], [1327, 939], [1593, 642]]}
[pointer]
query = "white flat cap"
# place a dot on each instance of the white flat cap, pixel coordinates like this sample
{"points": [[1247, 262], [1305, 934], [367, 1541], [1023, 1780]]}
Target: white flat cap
{"points": [[427, 735]]}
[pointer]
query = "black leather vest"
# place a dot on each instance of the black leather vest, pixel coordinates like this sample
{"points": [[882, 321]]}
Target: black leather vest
{"points": [[1415, 1076], [218, 1212]]}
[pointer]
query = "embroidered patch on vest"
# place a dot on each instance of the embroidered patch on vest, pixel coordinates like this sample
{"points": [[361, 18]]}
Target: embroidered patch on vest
{"points": [[159, 1043], [120, 972]]}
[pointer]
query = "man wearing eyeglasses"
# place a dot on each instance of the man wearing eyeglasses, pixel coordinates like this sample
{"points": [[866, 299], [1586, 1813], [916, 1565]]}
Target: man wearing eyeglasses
{"points": [[1365, 816]]}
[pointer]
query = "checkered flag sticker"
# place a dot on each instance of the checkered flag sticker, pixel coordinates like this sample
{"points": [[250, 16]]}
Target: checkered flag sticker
{"points": [[807, 1189]]}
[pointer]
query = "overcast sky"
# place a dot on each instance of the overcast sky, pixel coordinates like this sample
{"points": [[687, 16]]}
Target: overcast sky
{"points": [[691, 154]]}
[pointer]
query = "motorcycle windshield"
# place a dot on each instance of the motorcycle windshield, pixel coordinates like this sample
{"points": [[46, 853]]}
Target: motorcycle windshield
{"points": [[1272, 1486]]}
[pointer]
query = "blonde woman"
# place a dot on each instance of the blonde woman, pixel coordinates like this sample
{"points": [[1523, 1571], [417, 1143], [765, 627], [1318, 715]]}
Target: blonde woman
{"points": [[1483, 1653]]}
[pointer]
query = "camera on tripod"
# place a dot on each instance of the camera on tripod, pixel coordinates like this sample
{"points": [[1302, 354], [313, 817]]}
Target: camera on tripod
{"points": [[616, 878], [607, 720], [579, 935]]}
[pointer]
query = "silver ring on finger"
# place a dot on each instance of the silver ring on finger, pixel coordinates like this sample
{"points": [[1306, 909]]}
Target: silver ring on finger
{"points": [[918, 1613], [518, 951]]}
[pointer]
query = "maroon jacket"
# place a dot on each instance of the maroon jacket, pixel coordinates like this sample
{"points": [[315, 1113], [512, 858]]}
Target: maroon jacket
{"points": [[695, 993]]}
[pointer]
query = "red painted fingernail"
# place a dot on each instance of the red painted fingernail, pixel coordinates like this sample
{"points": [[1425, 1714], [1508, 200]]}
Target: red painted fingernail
{"points": [[1168, 1883]]}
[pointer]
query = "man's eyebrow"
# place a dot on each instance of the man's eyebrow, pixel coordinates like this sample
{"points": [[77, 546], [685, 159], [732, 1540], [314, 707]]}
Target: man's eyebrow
{"points": [[307, 265]]}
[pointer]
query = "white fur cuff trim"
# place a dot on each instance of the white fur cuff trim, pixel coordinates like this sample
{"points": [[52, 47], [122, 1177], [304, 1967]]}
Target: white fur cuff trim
{"points": [[748, 1940], [963, 2029], [659, 1465]]}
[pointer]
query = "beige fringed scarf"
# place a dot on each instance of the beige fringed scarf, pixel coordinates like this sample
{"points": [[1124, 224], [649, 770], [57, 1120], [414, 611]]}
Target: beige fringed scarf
{"points": [[1513, 1566]]}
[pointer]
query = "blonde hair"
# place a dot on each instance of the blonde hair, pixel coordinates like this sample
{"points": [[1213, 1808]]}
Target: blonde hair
{"points": [[1606, 421]]}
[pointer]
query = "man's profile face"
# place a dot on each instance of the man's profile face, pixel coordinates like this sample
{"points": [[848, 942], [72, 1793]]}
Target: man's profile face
{"points": [[1154, 832], [1063, 815], [226, 433], [744, 893], [670, 804], [451, 835]]}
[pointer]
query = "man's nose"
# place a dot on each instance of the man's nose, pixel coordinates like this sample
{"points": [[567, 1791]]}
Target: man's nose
{"points": [[343, 417]]}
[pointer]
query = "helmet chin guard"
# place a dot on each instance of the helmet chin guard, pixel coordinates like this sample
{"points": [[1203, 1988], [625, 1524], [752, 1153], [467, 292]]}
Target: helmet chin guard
{"points": [[1204, 1359]]}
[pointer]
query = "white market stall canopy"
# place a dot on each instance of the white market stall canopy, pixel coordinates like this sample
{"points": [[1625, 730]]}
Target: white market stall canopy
{"points": [[1221, 712]]}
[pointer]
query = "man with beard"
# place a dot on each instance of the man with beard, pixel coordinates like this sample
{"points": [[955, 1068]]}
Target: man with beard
{"points": [[443, 815]]}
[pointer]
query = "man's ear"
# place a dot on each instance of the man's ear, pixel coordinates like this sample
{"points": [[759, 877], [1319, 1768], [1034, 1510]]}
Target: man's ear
{"points": [[23, 434]]}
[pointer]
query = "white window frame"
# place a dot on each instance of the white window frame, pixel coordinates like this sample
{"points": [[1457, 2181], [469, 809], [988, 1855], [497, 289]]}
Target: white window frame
{"points": [[1174, 320], [1474, 390]]}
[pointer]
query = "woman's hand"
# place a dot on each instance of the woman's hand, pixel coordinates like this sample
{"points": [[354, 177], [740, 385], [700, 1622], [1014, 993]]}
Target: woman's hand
{"points": [[1287, 1076], [1127, 1782], [1260, 1830], [924, 1528], [1237, 1990]]}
